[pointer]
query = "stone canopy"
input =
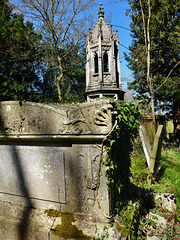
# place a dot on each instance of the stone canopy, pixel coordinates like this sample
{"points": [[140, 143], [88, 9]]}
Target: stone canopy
{"points": [[103, 75]]}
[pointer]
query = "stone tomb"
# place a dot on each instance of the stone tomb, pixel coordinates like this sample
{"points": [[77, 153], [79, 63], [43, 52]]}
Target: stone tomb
{"points": [[49, 156]]}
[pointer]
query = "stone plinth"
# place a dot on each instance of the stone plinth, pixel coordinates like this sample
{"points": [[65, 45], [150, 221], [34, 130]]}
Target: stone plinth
{"points": [[49, 157]]}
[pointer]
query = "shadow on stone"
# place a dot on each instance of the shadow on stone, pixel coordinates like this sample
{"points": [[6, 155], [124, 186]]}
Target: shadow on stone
{"points": [[23, 226]]}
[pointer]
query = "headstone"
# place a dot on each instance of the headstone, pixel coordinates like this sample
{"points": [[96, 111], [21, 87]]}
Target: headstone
{"points": [[156, 153], [145, 143], [49, 155], [169, 127], [156, 231], [153, 157]]}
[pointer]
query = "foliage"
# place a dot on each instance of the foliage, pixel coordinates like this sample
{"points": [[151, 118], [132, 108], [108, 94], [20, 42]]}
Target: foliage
{"points": [[28, 65], [164, 51], [19, 56], [127, 174], [117, 161], [167, 177], [126, 114], [73, 80], [62, 22], [167, 181]]}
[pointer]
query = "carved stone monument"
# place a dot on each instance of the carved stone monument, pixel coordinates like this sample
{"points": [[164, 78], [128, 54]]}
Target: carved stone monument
{"points": [[49, 158], [51, 182], [103, 77]]}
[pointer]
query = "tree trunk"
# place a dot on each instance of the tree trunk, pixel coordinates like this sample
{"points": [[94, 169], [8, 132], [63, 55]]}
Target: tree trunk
{"points": [[152, 106], [59, 78], [148, 57], [149, 79]]}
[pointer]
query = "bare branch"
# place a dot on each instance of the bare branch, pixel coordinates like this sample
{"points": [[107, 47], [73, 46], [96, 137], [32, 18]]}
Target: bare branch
{"points": [[167, 76], [60, 20], [144, 25]]}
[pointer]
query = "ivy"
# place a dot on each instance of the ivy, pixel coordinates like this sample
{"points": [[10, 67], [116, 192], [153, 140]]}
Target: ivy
{"points": [[119, 146]]}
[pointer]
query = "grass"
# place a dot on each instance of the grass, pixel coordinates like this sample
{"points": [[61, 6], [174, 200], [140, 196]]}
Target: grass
{"points": [[167, 180]]}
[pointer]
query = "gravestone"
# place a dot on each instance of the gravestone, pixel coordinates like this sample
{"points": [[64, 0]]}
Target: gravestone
{"points": [[145, 143], [169, 129], [152, 157], [157, 146]]}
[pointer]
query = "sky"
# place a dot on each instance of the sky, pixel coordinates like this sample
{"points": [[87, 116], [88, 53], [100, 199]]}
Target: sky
{"points": [[115, 11]]}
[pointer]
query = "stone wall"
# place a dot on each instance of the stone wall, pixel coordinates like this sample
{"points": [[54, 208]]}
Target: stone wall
{"points": [[49, 156]]}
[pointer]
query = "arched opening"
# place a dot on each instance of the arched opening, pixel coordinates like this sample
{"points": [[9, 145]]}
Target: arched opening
{"points": [[105, 62], [116, 59], [96, 63]]}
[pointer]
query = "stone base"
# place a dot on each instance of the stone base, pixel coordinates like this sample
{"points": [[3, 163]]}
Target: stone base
{"points": [[20, 222]]}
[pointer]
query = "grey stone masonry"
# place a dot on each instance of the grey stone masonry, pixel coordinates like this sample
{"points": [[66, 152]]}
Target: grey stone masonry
{"points": [[103, 77], [50, 154], [20, 119]]}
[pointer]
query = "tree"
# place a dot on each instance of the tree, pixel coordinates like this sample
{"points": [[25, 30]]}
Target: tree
{"points": [[73, 81], [154, 51], [63, 22], [19, 56]]}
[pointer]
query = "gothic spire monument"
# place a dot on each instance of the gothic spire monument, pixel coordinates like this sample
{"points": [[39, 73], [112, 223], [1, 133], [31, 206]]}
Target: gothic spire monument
{"points": [[103, 78]]}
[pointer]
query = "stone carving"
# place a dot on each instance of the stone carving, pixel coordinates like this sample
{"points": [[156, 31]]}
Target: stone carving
{"points": [[106, 78], [76, 126], [106, 47], [103, 117], [91, 118], [34, 118]]}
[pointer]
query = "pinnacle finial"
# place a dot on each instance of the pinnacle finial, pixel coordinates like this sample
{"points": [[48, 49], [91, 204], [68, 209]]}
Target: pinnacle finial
{"points": [[101, 11]]}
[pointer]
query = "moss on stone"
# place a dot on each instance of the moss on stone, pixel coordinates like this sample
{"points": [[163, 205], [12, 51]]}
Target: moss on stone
{"points": [[52, 213], [66, 230]]}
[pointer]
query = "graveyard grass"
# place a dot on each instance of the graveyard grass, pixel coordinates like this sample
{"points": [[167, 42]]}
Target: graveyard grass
{"points": [[167, 180]]}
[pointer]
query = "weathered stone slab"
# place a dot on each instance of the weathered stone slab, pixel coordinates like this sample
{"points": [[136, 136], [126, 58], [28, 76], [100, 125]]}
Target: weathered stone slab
{"points": [[58, 176], [156, 153], [19, 222], [153, 157], [35, 118], [50, 156], [32, 172], [159, 226], [146, 144]]}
